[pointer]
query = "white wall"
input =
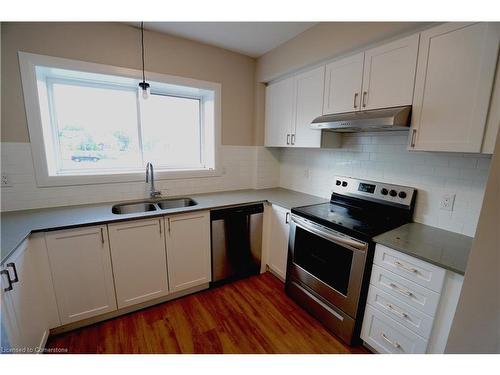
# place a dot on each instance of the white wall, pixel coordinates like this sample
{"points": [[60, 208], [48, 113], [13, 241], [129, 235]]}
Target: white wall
{"points": [[383, 157], [476, 325], [243, 167]]}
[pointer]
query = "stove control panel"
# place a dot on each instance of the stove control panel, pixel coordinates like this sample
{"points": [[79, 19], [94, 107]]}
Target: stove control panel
{"points": [[372, 190]]}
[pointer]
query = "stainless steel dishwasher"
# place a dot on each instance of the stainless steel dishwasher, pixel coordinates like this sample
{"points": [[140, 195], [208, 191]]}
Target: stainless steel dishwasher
{"points": [[236, 242]]}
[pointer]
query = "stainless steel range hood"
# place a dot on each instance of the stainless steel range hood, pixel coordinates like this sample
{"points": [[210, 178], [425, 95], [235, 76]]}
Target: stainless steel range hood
{"points": [[385, 119]]}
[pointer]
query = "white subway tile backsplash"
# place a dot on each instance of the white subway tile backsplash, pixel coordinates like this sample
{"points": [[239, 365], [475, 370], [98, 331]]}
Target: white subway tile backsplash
{"points": [[245, 167], [384, 157]]}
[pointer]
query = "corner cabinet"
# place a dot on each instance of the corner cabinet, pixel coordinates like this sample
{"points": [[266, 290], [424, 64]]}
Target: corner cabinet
{"points": [[80, 261], [139, 260], [291, 105], [455, 72], [188, 250]]}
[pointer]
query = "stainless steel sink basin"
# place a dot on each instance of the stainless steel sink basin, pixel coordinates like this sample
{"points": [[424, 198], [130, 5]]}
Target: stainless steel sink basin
{"points": [[130, 208], [176, 203]]}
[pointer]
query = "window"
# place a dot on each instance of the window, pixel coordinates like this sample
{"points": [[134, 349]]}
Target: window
{"points": [[89, 124]]}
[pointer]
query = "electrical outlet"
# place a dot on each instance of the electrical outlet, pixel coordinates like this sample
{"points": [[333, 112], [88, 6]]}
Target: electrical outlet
{"points": [[5, 181], [306, 173], [447, 201]]}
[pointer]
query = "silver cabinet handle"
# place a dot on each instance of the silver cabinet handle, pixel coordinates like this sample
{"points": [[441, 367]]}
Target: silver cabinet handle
{"points": [[400, 290], [293, 139], [413, 134], [396, 344], [397, 312], [365, 93], [13, 266], [402, 266], [288, 139], [287, 218], [6, 273], [168, 220], [355, 100], [102, 235], [159, 222]]}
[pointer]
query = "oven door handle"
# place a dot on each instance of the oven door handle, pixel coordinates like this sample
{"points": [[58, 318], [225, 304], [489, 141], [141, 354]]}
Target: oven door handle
{"points": [[330, 235]]}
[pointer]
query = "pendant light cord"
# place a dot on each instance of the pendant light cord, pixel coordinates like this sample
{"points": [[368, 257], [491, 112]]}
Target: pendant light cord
{"points": [[142, 49]]}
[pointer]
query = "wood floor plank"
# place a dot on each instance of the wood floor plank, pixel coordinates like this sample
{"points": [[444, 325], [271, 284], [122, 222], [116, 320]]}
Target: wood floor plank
{"points": [[250, 316]]}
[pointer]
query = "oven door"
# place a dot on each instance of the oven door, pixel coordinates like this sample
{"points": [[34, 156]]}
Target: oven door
{"points": [[327, 262]]}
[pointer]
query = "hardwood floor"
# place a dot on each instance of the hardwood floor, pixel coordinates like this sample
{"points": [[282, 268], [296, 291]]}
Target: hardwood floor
{"points": [[253, 315]]}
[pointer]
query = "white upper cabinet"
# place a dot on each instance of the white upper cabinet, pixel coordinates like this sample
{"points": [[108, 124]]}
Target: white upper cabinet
{"points": [[389, 74], [81, 272], [280, 97], [456, 67], [343, 84], [188, 250], [291, 105], [139, 260], [308, 105]]}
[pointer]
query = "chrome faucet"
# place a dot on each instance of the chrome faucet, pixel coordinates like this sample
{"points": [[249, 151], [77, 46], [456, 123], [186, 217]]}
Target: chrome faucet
{"points": [[150, 171]]}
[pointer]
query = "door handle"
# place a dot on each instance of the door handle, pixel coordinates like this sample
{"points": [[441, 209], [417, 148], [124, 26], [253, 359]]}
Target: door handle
{"points": [[287, 218], [293, 139], [288, 139], [413, 134], [102, 235], [365, 93], [5, 272], [13, 266], [355, 100]]}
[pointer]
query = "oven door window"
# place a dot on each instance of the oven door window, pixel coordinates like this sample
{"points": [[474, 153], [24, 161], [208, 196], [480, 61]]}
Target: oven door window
{"points": [[329, 262]]}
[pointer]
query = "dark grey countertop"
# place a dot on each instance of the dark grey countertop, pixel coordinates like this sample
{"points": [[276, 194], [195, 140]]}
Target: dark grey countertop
{"points": [[17, 225], [440, 247]]}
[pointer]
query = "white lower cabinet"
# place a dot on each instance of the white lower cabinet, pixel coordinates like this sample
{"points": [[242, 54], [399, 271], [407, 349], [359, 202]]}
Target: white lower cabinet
{"points": [[410, 304], [188, 250], [27, 305], [277, 239], [139, 260], [81, 272]]}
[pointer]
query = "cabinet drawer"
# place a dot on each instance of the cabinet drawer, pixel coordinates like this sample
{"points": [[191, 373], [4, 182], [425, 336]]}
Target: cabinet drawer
{"points": [[405, 290], [388, 336], [416, 270], [401, 312]]}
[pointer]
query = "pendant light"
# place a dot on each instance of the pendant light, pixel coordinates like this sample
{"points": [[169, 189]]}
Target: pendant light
{"points": [[144, 87]]}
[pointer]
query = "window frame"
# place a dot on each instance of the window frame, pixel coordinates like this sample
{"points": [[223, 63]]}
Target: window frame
{"points": [[210, 118]]}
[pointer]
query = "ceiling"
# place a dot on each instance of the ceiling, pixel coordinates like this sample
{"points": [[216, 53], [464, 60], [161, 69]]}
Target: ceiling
{"points": [[249, 38]]}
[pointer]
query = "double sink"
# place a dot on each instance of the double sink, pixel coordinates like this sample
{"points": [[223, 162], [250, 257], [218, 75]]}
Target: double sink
{"points": [[150, 205]]}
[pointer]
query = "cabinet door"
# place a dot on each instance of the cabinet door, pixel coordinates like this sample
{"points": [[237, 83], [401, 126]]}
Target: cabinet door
{"points": [[139, 261], [389, 74], [278, 240], [27, 298], [343, 81], [188, 250], [9, 328], [455, 71], [280, 98], [81, 271], [309, 88]]}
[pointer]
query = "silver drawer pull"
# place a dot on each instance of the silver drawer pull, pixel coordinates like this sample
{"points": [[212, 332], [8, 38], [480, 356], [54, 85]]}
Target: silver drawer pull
{"points": [[400, 290], [397, 312], [396, 344], [402, 266]]}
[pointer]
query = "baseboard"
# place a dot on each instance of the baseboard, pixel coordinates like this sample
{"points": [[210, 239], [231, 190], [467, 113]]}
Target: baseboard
{"points": [[126, 310]]}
